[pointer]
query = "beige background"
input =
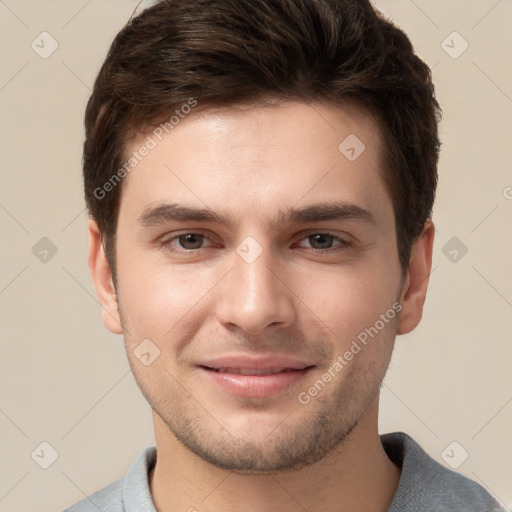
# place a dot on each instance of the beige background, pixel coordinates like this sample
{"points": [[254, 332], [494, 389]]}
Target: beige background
{"points": [[65, 380]]}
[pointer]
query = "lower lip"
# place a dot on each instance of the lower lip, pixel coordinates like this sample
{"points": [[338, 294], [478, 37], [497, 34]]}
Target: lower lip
{"points": [[257, 386]]}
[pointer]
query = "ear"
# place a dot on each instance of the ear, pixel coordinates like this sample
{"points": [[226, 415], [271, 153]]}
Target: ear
{"points": [[102, 277], [414, 288]]}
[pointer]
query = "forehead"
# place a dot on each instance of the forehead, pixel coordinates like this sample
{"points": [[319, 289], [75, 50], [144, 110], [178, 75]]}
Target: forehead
{"points": [[268, 157]]}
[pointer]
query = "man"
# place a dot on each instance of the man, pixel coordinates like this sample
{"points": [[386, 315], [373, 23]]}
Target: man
{"points": [[260, 176]]}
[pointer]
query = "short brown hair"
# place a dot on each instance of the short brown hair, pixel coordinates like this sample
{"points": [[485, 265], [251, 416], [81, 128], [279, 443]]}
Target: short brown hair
{"points": [[223, 52]]}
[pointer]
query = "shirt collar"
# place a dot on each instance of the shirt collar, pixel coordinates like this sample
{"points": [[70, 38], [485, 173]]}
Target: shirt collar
{"points": [[136, 493]]}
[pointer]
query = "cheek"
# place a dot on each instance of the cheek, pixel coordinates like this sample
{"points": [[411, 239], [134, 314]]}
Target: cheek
{"points": [[157, 300], [349, 300]]}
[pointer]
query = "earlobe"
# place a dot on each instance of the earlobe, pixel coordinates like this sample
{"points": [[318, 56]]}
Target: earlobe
{"points": [[414, 289], [102, 277]]}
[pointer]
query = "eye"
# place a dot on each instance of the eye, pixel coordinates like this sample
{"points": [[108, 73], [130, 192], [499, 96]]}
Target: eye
{"points": [[324, 242], [185, 242]]}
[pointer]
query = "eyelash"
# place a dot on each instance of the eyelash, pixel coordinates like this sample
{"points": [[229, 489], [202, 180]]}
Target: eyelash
{"points": [[343, 244]]}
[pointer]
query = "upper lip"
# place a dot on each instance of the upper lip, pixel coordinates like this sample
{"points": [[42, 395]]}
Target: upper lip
{"points": [[253, 362]]}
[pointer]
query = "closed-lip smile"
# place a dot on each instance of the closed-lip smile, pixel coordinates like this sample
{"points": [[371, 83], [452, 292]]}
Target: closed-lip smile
{"points": [[255, 376]]}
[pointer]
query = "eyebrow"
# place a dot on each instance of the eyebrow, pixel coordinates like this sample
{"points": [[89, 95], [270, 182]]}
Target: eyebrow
{"points": [[169, 212]]}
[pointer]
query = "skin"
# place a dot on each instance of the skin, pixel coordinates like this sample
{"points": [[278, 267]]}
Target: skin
{"points": [[221, 452]]}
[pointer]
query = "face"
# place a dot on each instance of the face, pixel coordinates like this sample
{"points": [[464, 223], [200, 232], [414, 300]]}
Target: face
{"points": [[249, 243]]}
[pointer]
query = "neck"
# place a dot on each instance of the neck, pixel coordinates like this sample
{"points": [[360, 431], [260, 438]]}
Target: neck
{"points": [[356, 475]]}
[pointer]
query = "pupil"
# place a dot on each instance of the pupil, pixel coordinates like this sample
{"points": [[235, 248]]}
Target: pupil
{"points": [[186, 239], [321, 238]]}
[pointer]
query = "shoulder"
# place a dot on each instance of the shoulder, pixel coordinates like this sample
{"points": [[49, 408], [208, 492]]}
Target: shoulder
{"points": [[427, 485], [130, 493], [108, 499]]}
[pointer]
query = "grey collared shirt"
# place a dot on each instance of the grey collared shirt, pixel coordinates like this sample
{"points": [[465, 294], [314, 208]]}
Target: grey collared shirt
{"points": [[425, 485]]}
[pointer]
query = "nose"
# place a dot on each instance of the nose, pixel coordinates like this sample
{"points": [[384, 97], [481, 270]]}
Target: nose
{"points": [[256, 295]]}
